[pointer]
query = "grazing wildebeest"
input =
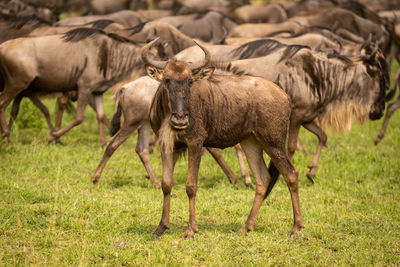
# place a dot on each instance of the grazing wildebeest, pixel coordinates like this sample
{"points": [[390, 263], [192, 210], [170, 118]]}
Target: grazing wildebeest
{"points": [[134, 101], [92, 62], [392, 107], [333, 87], [189, 110]]}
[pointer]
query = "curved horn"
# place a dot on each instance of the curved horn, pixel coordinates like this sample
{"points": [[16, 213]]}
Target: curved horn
{"points": [[318, 48], [373, 54], [366, 43], [207, 57], [151, 62]]}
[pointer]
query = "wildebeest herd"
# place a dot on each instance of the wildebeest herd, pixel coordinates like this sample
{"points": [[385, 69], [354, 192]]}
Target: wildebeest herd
{"points": [[211, 74]]}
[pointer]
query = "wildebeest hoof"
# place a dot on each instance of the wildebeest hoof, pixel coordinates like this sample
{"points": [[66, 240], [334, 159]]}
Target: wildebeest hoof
{"points": [[59, 142], [311, 177], [189, 234], [157, 185], [251, 186], [159, 231], [50, 139], [296, 231], [377, 140]]}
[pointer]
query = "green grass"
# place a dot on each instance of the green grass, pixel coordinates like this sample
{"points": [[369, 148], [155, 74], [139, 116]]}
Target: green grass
{"points": [[51, 214]]}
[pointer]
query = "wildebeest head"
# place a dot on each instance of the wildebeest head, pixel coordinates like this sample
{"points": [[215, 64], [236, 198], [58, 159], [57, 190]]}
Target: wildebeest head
{"points": [[176, 78], [378, 69]]}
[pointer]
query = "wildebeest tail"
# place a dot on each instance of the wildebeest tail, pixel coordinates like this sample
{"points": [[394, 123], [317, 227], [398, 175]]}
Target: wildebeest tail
{"points": [[273, 171], [116, 120], [392, 92]]}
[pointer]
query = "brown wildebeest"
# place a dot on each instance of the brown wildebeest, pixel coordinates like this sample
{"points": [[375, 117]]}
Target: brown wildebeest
{"points": [[335, 19], [270, 13], [392, 107], [90, 67], [208, 26], [134, 101], [333, 87], [189, 110], [127, 18]]}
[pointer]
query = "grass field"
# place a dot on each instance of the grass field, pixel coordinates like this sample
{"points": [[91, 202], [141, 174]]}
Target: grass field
{"points": [[51, 214]]}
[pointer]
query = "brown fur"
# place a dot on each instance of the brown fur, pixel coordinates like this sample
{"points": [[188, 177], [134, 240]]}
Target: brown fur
{"points": [[195, 104]]}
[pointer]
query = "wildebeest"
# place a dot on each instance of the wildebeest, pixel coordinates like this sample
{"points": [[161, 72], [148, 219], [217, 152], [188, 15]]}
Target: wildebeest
{"points": [[208, 26], [189, 110], [335, 88], [335, 19], [270, 13], [127, 18], [92, 62], [134, 101]]}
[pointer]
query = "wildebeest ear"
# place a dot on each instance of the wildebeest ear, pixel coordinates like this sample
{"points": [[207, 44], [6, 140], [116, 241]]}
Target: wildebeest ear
{"points": [[203, 73], [154, 73]]}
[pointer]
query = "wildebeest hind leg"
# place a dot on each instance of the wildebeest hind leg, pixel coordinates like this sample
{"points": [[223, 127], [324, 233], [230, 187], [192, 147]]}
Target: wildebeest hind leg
{"points": [[322, 138], [282, 162], [390, 110], [83, 100], [261, 175], [96, 102], [243, 169], [5, 98], [124, 133], [217, 155]]}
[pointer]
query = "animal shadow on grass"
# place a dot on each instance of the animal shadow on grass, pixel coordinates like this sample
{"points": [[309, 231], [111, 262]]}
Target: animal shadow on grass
{"points": [[121, 180]]}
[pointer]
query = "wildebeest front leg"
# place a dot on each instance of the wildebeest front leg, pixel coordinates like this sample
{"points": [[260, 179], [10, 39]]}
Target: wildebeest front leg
{"points": [[217, 155], [166, 185], [142, 149], [322, 138], [261, 175], [83, 100], [194, 152], [14, 110]]}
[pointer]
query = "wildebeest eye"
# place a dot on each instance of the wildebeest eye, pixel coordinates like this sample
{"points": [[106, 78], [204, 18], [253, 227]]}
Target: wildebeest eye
{"points": [[190, 81], [167, 80]]}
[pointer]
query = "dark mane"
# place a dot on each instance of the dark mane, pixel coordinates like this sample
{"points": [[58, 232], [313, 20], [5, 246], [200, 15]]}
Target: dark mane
{"points": [[264, 47], [256, 48], [80, 34], [101, 23], [291, 50], [343, 58], [227, 67], [138, 28]]}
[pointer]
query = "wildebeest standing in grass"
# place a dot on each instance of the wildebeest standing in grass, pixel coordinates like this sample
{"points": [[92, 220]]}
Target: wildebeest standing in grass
{"points": [[134, 101], [84, 60], [335, 88], [190, 110]]}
